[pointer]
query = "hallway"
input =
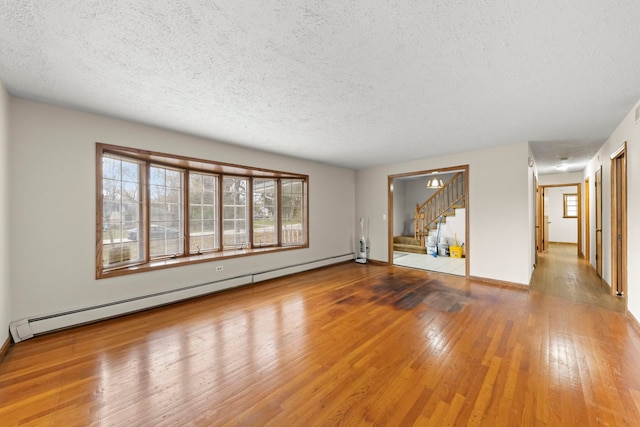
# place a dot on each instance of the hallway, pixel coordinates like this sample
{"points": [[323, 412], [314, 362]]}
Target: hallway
{"points": [[562, 273]]}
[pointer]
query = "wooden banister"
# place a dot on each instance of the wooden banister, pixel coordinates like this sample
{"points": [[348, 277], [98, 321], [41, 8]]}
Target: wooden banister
{"points": [[444, 200]]}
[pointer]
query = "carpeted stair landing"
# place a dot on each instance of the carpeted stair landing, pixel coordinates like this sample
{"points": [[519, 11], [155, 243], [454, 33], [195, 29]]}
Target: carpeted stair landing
{"points": [[408, 244]]}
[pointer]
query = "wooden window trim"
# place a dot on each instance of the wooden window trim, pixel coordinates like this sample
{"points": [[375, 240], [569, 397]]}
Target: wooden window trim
{"points": [[189, 164], [565, 198]]}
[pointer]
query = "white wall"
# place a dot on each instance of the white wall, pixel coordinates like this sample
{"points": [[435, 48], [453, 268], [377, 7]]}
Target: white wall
{"points": [[628, 130], [5, 290], [52, 195], [561, 229], [497, 208], [560, 178], [414, 192], [454, 227], [532, 199], [399, 209]]}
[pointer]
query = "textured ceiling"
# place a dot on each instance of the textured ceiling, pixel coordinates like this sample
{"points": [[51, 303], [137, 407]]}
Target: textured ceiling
{"points": [[351, 83]]}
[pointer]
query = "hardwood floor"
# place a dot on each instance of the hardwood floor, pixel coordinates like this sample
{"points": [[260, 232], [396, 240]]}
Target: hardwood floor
{"points": [[571, 278], [345, 345]]}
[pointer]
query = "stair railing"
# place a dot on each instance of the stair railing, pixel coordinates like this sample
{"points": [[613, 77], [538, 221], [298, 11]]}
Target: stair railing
{"points": [[442, 201]]}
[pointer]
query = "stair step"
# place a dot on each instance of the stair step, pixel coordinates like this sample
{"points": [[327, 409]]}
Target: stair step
{"points": [[408, 244], [406, 240], [409, 248], [434, 225]]}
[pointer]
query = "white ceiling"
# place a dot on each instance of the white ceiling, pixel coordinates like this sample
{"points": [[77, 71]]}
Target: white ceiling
{"points": [[351, 83]]}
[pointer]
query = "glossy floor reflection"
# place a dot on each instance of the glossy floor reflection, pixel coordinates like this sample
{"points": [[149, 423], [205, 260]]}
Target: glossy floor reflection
{"points": [[345, 345], [442, 264]]}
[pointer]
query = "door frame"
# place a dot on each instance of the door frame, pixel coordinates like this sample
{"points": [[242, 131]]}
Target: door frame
{"points": [[587, 221], [536, 212], [390, 178], [619, 221], [598, 213], [578, 186]]}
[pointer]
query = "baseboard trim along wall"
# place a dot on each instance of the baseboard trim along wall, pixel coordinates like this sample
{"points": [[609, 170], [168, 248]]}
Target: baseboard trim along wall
{"points": [[501, 283], [29, 327], [5, 347], [634, 322]]}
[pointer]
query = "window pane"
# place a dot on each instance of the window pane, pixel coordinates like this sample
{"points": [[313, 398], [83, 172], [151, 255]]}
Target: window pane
{"points": [[264, 212], [209, 212], [166, 222], [292, 211], [202, 207], [121, 211], [570, 205], [234, 197]]}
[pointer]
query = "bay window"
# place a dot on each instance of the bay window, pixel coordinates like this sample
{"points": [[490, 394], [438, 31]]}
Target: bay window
{"points": [[157, 210]]}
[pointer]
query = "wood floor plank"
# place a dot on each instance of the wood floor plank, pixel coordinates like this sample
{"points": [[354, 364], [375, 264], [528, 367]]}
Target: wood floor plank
{"points": [[344, 345], [454, 411], [486, 393]]}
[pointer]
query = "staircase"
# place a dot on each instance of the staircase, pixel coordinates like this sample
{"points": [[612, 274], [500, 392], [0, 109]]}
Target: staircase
{"points": [[442, 203], [408, 244]]}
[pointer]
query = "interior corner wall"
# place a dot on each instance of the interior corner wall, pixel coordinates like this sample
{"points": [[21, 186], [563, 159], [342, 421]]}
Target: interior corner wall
{"points": [[627, 131], [498, 208], [399, 215], [560, 178], [532, 180], [53, 194], [5, 290]]}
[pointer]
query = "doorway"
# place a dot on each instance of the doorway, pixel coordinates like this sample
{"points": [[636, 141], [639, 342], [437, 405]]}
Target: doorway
{"points": [[561, 215], [587, 221], [598, 186], [619, 221], [410, 241]]}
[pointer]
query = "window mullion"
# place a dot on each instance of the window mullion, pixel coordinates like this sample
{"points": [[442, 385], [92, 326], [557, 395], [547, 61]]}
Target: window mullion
{"points": [[146, 209], [220, 209], [249, 216], [279, 211], [186, 241], [100, 211]]}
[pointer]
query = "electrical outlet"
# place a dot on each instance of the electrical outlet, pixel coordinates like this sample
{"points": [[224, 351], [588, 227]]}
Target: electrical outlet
{"points": [[219, 268]]}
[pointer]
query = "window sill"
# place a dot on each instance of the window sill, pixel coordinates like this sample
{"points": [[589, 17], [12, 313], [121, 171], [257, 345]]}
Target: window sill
{"points": [[192, 259]]}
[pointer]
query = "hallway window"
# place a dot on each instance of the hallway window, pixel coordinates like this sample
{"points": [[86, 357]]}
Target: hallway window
{"points": [[570, 205]]}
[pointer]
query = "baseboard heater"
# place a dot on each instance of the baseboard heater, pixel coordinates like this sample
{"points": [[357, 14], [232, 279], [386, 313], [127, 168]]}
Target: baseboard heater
{"points": [[29, 327]]}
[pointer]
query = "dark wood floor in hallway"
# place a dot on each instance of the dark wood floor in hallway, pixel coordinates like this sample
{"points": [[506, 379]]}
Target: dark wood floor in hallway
{"points": [[345, 345], [562, 273]]}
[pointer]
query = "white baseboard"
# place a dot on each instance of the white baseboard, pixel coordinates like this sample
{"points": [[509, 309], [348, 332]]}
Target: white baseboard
{"points": [[29, 327], [285, 271]]}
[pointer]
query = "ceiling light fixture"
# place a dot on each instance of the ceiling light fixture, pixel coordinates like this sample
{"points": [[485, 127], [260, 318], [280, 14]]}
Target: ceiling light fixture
{"points": [[563, 164], [434, 183]]}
